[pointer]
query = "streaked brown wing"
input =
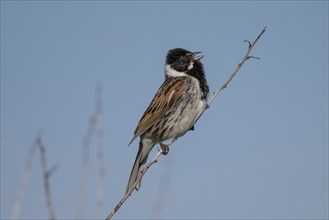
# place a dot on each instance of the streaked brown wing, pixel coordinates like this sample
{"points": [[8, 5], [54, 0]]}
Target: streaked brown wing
{"points": [[166, 98]]}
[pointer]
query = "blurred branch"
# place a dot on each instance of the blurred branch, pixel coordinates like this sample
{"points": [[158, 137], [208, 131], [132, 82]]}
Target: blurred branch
{"points": [[46, 175], [94, 127], [85, 167], [24, 182], [215, 94], [100, 153]]}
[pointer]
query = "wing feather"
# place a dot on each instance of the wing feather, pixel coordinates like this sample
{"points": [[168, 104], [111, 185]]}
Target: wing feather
{"points": [[165, 100]]}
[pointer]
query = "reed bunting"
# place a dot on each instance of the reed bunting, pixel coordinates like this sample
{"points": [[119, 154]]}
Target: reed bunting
{"points": [[177, 105]]}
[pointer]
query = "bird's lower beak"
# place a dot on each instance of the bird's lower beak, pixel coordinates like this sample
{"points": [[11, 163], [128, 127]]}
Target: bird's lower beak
{"points": [[197, 57]]}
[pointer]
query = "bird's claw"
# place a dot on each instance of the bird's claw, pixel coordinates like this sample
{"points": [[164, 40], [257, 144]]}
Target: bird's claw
{"points": [[164, 147]]}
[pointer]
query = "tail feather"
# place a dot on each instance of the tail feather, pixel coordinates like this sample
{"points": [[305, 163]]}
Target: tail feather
{"points": [[141, 158], [134, 172]]}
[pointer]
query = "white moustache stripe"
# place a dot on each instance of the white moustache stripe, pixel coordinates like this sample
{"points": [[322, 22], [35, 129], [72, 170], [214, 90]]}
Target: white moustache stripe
{"points": [[173, 73]]}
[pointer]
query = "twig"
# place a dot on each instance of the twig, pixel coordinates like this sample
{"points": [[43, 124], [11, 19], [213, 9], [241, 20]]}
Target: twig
{"points": [[24, 181], [139, 178], [100, 157], [94, 127], [215, 94], [85, 167], [245, 58], [46, 175]]}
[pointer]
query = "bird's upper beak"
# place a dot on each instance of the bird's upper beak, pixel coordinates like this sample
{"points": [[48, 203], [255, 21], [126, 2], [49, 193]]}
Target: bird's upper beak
{"points": [[197, 57]]}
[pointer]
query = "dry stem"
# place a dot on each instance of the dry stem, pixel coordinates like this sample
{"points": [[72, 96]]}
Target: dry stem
{"points": [[85, 167], [94, 127], [100, 157], [46, 174], [24, 182], [245, 58], [139, 178]]}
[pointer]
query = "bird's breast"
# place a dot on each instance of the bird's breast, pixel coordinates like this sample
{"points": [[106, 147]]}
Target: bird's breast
{"points": [[183, 117]]}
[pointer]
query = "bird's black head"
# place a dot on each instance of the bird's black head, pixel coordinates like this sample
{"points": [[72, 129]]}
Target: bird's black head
{"points": [[182, 62]]}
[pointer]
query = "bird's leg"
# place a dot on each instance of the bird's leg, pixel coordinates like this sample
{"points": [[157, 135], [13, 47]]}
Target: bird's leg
{"points": [[164, 147]]}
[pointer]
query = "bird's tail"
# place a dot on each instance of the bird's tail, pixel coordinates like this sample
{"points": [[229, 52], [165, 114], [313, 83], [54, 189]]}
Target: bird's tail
{"points": [[141, 158]]}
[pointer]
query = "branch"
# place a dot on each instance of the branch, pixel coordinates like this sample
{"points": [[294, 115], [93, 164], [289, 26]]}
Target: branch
{"points": [[100, 157], [215, 94], [85, 167], [46, 175], [139, 178], [245, 58], [94, 127], [24, 182]]}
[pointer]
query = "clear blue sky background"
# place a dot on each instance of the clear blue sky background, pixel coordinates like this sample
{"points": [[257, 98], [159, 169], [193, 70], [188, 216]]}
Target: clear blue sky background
{"points": [[260, 151]]}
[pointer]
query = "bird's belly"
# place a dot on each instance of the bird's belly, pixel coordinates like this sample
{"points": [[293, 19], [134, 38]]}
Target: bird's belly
{"points": [[183, 119]]}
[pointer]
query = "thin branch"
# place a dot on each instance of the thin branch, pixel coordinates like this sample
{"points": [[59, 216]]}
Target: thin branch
{"points": [[160, 152], [100, 157], [245, 58], [46, 175], [24, 182], [94, 127], [85, 167], [52, 169], [139, 178]]}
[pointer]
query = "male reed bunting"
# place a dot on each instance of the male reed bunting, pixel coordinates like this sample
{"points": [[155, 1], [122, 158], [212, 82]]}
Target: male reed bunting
{"points": [[176, 106]]}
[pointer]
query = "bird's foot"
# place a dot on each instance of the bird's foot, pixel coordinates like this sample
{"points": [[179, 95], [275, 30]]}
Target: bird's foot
{"points": [[164, 147]]}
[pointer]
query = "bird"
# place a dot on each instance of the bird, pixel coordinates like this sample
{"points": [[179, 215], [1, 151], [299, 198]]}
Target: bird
{"points": [[175, 108]]}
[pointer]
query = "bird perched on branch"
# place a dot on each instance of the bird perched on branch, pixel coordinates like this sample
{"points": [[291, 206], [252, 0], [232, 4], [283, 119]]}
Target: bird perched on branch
{"points": [[176, 106]]}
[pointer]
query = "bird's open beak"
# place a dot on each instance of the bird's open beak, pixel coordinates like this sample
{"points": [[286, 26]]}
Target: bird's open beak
{"points": [[197, 57]]}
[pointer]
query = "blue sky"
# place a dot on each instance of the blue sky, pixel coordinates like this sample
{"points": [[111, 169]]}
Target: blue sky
{"points": [[260, 151]]}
